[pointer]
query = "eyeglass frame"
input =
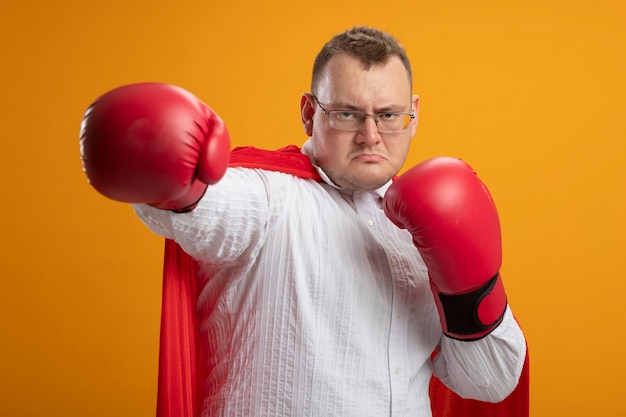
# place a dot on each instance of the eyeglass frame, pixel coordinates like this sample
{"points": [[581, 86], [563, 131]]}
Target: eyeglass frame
{"points": [[373, 115]]}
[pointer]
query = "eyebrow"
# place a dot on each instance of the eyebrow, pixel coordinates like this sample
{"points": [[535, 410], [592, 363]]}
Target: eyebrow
{"points": [[385, 109]]}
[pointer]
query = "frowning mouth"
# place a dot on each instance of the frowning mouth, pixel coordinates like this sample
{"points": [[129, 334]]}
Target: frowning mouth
{"points": [[369, 157]]}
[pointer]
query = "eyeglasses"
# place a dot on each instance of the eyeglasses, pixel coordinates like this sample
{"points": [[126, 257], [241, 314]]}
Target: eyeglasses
{"points": [[350, 120]]}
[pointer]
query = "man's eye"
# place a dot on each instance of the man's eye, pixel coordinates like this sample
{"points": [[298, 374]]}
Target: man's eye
{"points": [[346, 115], [387, 116]]}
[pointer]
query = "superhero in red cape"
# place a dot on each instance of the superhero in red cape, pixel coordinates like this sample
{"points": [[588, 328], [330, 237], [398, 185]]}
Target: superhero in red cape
{"points": [[315, 281], [180, 378]]}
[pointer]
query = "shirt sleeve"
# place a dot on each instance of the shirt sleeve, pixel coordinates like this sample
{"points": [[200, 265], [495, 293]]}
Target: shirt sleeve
{"points": [[229, 222], [487, 369]]}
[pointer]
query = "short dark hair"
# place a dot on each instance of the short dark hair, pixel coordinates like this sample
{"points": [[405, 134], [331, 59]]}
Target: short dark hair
{"points": [[369, 45]]}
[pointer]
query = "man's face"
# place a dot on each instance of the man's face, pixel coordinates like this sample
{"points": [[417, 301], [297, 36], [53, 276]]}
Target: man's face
{"points": [[364, 159]]}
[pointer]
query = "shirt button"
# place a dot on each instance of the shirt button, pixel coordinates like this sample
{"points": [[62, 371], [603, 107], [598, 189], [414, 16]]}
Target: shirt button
{"points": [[370, 222], [398, 370]]}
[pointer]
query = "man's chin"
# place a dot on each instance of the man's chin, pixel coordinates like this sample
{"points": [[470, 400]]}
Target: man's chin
{"points": [[367, 183]]}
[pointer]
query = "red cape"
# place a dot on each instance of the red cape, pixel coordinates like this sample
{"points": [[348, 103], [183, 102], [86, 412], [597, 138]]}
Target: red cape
{"points": [[180, 356]]}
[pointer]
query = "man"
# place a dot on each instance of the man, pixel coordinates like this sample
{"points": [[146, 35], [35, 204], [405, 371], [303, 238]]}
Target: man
{"points": [[312, 301]]}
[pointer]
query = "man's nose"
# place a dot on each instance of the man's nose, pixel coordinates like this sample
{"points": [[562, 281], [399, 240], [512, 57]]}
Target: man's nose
{"points": [[368, 132]]}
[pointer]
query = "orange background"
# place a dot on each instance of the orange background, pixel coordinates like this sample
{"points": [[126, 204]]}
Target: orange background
{"points": [[531, 93]]}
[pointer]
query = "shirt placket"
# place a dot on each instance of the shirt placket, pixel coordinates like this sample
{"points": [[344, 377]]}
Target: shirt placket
{"points": [[368, 206]]}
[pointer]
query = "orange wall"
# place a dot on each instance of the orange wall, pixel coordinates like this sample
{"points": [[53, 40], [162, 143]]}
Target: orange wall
{"points": [[531, 93]]}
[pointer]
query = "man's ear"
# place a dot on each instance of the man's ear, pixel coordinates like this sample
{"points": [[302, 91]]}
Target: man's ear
{"points": [[415, 101], [307, 110]]}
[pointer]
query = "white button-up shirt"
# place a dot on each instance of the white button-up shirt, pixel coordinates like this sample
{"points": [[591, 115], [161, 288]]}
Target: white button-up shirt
{"points": [[313, 303]]}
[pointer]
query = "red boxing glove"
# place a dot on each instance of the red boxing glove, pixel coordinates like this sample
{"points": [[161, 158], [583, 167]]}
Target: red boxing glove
{"points": [[455, 227], [153, 143]]}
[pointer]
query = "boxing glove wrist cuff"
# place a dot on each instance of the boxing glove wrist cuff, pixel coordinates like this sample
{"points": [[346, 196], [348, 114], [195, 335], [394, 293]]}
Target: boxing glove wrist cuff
{"points": [[186, 202], [473, 315]]}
